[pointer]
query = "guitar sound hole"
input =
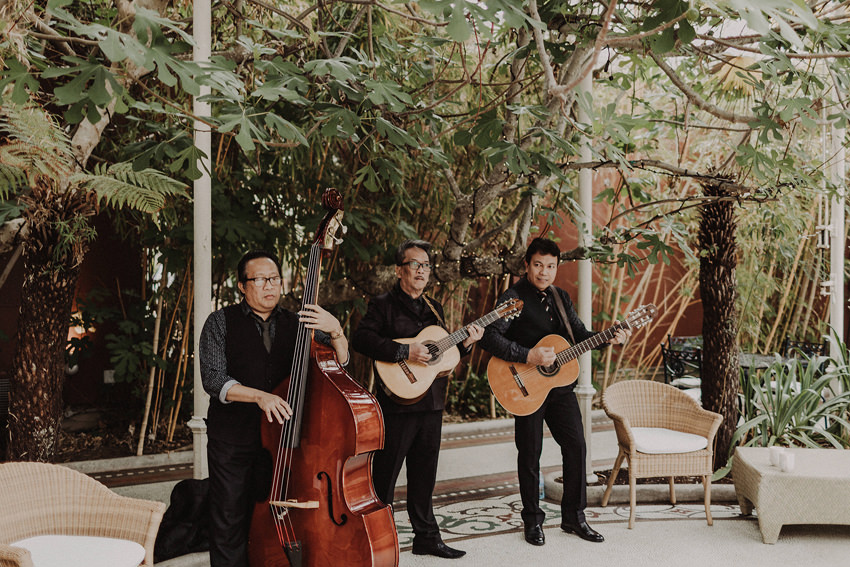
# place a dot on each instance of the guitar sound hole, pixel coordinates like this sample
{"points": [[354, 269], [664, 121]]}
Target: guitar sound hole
{"points": [[549, 370], [432, 348]]}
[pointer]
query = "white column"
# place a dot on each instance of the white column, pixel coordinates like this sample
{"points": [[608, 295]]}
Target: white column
{"points": [[202, 26], [837, 244], [584, 388]]}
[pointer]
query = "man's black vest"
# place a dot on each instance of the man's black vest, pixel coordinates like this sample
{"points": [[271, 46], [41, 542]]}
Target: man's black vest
{"points": [[534, 322], [250, 364]]}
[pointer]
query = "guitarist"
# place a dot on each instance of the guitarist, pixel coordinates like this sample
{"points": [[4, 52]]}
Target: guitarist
{"points": [[413, 430], [515, 341]]}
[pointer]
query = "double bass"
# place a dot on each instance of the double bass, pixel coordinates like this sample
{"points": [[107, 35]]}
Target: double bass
{"points": [[322, 509]]}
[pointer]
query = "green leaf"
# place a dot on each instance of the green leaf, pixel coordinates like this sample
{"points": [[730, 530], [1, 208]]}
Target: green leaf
{"points": [[663, 42], [340, 68], [75, 90], [686, 32], [18, 75], [462, 137], [243, 137], [394, 134], [367, 176], [389, 93], [113, 47], [187, 162], [341, 122], [285, 129], [458, 28]]}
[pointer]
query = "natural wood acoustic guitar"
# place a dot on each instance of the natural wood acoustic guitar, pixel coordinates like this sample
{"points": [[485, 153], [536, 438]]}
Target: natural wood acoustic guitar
{"points": [[407, 381], [522, 388]]}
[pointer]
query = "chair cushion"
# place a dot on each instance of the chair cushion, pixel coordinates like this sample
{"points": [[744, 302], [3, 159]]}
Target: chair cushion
{"points": [[657, 440], [695, 394], [686, 382], [82, 551]]}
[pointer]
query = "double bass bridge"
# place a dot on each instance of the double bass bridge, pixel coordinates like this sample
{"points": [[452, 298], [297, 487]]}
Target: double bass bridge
{"points": [[280, 508]]}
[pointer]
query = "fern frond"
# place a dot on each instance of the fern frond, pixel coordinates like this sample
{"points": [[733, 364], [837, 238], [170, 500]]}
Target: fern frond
{"points": [[31, 127], [12, 174], [119, 186], [33, 160]]}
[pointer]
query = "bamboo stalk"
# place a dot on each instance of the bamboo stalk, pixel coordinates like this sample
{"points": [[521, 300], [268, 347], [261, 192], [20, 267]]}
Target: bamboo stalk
{"points": [[160, 378], [175, 396], [618, 294], [157, 403], [13, 259], [174, 318], [768, 343], [184, 361], [762, 305], [791, 306], [141, 445], [793, 323], [182, 369], [642, 291], [813, 289]]}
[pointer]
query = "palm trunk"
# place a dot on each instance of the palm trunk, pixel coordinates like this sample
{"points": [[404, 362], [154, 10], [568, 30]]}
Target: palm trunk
{"points": [[718, 290], [35, 392]]}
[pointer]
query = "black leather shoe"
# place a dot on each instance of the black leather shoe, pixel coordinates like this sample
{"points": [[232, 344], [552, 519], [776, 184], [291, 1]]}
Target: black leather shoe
{"points": [[583, 531], [438, 549], [534, 535]]}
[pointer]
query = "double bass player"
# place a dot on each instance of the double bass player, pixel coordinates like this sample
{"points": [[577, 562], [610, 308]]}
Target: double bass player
{"points": [[245, 351]]}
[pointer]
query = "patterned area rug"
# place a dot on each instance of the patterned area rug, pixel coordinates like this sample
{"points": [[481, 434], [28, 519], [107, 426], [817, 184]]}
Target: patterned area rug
{"points": [[501, 514]]}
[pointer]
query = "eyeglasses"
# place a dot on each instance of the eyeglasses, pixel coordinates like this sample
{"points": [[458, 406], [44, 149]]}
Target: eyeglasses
{"points": [[261, 281], [414, 265]]}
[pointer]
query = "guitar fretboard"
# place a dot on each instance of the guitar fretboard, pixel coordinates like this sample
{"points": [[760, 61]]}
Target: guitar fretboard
{"points": [[461, 334], [577, 350]]}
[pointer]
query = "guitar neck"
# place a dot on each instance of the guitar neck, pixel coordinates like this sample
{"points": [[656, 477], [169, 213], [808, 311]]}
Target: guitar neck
{"points": [[462, 334], [577, 350]]}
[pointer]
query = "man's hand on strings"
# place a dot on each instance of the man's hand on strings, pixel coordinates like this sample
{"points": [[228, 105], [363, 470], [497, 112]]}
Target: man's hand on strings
{"points": [[275, 407], [541, 356], [621, 336], [419, 353], [314, 317], [475, 334]]}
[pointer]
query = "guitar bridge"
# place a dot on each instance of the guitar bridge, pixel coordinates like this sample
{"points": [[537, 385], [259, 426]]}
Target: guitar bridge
{"points": [[518, 381], [407, 371]]}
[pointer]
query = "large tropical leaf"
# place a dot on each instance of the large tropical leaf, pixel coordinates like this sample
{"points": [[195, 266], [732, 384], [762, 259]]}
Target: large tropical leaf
{"points": [[120, 186]]}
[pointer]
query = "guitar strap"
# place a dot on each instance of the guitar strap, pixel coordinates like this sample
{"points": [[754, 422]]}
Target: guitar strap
{"points": [[431, 306], [562, 312]]}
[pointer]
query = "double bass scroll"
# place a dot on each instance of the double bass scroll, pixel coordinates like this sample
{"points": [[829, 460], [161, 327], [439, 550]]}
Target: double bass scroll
{"points": [[322, 509]]}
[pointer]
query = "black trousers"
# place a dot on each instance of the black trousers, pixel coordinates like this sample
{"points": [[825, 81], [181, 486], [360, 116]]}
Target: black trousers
{"points": [[232, 496], [413, 436], [561, 413]]}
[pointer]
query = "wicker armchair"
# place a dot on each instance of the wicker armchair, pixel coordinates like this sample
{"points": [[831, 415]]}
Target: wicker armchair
{"points": [[675, 433], [40, 499]]}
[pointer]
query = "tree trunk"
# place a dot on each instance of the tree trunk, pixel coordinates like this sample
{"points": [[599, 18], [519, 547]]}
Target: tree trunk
{"points": [[35, 391], [718, 290]]}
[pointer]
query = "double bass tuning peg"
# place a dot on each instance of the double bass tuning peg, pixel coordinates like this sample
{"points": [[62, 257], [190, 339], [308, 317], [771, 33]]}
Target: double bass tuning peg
{"points": [[343, 229]]}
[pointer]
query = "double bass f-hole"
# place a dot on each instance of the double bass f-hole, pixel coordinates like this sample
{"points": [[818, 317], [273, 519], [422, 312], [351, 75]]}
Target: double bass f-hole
{"points": [[343, 518]]}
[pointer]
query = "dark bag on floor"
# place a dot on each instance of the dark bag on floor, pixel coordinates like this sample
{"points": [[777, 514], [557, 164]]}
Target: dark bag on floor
{"points": [[185, 525]]}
